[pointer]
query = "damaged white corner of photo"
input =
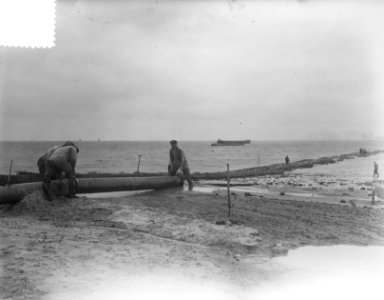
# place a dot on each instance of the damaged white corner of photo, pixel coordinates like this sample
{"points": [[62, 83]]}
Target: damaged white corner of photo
{"points": [[26, 23]]}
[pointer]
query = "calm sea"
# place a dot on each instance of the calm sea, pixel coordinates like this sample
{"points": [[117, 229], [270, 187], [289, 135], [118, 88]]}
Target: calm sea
{"points": [[122, 156]]}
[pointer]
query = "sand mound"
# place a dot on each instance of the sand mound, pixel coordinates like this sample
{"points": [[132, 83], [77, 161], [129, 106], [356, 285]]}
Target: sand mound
{"points": [[32, 203], [60, 209]]}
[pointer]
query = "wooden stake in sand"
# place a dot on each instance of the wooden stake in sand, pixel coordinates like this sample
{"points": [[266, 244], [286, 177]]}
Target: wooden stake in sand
{"points": [[138, 164], [10, 172], [373, 196], [228, 192]]}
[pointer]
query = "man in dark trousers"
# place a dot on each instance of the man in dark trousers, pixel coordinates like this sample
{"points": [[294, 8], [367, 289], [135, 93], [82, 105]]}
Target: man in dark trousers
{"points": [[375, 170], [178, 160], [287, 160]]}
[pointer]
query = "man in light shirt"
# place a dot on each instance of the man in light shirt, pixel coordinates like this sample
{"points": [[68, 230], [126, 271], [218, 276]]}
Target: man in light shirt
{"points": [[178, 160], [43, 160]]}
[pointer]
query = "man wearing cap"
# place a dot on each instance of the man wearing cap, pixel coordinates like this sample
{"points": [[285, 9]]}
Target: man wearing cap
{"points": [[63, 159], [178, 160]]}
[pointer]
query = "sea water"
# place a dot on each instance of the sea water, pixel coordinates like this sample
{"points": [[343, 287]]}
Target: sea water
{"points": [[122, 156]]}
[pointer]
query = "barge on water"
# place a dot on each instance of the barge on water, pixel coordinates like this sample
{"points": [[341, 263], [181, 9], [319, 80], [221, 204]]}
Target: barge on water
{"points": [[231, 143]]}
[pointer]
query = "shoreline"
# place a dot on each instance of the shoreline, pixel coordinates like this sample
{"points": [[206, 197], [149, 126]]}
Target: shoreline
{"points": [[273, 169]]}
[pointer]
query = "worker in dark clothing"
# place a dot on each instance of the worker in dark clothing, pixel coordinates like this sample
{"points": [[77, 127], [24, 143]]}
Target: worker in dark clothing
{"points": [[287, 160], [178, 160], [62, 160], [375, 170]]}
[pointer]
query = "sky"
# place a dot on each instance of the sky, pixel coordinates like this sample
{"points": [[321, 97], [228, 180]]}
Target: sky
{"points": [[199, 70]]}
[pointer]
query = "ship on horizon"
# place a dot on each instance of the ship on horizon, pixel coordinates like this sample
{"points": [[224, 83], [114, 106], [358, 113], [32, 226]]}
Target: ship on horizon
{"points": [[220, 142]]}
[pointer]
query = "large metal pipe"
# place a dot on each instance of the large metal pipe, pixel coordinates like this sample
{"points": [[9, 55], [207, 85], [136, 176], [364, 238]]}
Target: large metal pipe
{"points": [[17, 192]]}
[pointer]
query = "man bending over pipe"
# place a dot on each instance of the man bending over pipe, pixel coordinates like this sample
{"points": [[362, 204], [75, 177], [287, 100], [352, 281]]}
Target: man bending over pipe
{"points": [[63, 159], [41, 163]]}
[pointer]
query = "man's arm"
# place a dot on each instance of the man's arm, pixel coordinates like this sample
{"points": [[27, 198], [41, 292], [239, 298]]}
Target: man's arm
{"points": [[171, 158]]}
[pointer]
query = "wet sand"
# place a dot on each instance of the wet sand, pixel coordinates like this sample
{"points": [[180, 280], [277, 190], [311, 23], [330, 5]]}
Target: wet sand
{"points": [[166, 242]]}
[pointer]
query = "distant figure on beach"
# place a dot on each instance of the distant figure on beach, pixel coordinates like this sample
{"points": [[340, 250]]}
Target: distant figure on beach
{"points": [[178, 160], [287, 160], [375, 170], [62, 160]]}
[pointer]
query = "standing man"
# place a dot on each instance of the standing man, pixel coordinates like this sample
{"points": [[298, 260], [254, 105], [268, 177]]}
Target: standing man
{"points": [[375, 170], [178, 160], [287, 160], [63, 159]]}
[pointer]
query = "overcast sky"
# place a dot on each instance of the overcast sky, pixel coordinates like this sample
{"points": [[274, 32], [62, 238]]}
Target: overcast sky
{"points": [[148, 70]]}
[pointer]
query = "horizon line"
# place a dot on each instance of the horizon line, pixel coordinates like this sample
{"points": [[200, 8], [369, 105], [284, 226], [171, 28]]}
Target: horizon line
{"points": [[194, 140]]}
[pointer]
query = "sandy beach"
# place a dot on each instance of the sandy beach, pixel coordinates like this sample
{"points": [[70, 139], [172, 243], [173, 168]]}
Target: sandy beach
{"points": [[160, 244]]}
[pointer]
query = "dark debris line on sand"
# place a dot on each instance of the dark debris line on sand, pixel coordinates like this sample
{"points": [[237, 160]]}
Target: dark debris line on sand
{"points": [[287, 219]]}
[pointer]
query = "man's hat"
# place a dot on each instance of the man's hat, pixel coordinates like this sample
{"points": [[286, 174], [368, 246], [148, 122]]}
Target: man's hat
{"points": [[173, 142]]}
